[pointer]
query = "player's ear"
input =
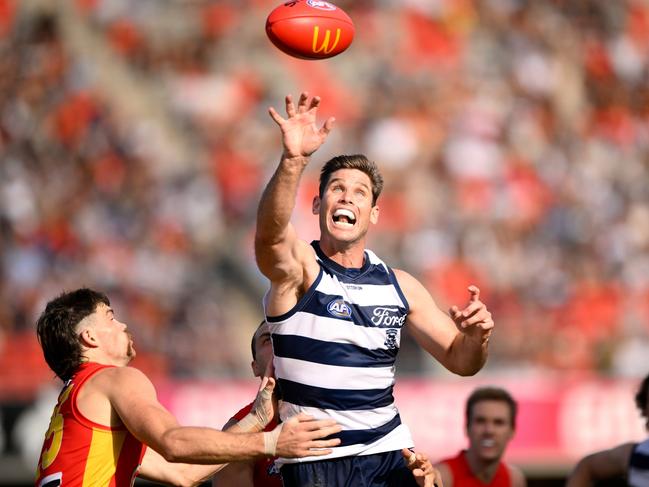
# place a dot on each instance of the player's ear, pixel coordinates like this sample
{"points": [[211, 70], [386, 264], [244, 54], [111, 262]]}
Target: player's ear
{"points": [[374, 214], [315, 206], [88, 338], [255, 369]]}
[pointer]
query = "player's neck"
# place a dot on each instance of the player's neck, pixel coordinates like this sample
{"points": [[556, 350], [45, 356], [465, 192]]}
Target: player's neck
{"points": [[349, 255], [98, 356], [480, 468]]}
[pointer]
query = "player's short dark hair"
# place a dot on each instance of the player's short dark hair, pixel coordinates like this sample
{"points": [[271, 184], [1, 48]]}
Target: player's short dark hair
{"points": [[355, 161], [253, 341], [56, 329], [641, 397], [491, 393]]}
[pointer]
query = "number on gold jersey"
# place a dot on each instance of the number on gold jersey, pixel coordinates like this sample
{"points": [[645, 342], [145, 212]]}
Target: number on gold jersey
{"points": [[55, 431]]}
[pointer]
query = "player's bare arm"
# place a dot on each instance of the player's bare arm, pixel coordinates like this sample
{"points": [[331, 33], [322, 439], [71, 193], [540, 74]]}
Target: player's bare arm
{"points": [[134, 399], [235, 473], [155, 467], [459, 341], [601, 466], [288, 262]]}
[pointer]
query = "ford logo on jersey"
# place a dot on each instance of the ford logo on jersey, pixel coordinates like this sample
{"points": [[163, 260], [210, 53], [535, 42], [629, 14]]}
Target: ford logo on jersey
{"points": [[339, 308]]}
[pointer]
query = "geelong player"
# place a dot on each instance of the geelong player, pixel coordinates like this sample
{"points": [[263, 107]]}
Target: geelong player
{"points": [[108, 426], [628, 462], [336, 312], [262, 471]]}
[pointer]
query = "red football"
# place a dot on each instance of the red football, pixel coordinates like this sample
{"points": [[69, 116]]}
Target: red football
{"points": [[310, 29]]}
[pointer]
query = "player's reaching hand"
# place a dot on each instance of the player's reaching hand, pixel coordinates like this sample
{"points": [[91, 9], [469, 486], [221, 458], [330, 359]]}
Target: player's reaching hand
{"points": [[474, 320], [300, 135], [302, 436], [422, 469]]}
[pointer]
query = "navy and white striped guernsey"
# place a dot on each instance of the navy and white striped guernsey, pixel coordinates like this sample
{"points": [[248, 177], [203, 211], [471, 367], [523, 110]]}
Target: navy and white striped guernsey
{"points": [[639, 465], [335, 353]]}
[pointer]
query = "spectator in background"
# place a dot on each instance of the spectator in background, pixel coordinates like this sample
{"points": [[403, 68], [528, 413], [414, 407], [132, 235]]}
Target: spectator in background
{"points": [[628, 461], [108, 425], [490, 425]]}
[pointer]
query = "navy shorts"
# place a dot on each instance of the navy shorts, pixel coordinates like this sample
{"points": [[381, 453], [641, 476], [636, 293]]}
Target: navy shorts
{"points": [[379, 470]]}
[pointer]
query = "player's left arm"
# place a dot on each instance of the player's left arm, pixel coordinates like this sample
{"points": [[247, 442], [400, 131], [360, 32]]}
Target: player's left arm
{"points": [[459, 341], [155, 468]]}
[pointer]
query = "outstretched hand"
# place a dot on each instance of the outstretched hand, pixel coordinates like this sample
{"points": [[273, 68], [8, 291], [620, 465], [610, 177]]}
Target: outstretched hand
{"points": [[474, 320], [302, 436], [300, 135], [423, 471]]}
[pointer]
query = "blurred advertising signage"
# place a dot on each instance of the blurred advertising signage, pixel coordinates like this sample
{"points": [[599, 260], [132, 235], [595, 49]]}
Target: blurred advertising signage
{"points": [[558, 421]]}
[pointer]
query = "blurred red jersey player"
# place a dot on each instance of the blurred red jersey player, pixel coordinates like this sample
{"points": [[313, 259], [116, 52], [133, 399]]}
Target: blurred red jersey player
{"points": [[490, 425]]}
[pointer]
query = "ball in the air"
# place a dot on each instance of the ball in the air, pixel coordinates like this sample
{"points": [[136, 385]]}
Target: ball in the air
{"points": [[310, 29]]}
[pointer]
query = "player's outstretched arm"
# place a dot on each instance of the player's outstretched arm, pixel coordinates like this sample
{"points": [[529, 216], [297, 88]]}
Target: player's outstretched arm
{"points": [[601, 466], [279, 253], [133, 397], [459, 341], [155, 467]]}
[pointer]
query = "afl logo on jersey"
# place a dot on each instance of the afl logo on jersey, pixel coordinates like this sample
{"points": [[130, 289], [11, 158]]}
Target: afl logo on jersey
{"points": [[339, 308]]}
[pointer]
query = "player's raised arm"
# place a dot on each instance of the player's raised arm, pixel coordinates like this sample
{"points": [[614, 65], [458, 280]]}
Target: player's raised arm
{"points": [[279, 252]]}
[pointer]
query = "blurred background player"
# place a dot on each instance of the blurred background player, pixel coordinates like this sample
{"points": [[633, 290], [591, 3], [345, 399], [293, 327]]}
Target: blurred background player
{"points": [[629, 461], [108, 426], [336, 311], [490, 425]]}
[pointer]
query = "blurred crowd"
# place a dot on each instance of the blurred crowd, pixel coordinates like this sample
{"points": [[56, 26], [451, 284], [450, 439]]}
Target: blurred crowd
{"points": [[513, 136]]}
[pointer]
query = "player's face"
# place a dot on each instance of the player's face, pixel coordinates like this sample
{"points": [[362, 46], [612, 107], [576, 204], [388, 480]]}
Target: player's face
{"points": [[263, 351], [345, 208], [490, 429], [112, 335]]}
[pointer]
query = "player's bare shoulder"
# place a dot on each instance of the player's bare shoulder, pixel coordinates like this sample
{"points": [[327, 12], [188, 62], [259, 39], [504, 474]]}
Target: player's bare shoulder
{"points": [[120, 381]]}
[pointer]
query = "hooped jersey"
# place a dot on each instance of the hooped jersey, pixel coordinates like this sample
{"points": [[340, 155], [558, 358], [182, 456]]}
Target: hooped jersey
{"points": [[463, 476], [335, 353], [78, 452]]}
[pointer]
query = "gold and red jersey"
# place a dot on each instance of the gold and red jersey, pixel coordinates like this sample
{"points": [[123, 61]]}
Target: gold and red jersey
{"points": [[78, 452]]}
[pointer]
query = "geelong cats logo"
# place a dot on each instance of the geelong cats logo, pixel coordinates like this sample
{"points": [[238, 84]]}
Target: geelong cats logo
{"points": [[391, 339]]}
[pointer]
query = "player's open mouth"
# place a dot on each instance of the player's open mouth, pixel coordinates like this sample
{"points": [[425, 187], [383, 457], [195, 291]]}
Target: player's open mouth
{"points": [[488, 442], [344, 218]]}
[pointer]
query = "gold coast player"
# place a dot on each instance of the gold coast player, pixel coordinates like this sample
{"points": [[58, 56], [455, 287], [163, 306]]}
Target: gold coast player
{"points": [[108, 425], [336, 312], [490, 426]]}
